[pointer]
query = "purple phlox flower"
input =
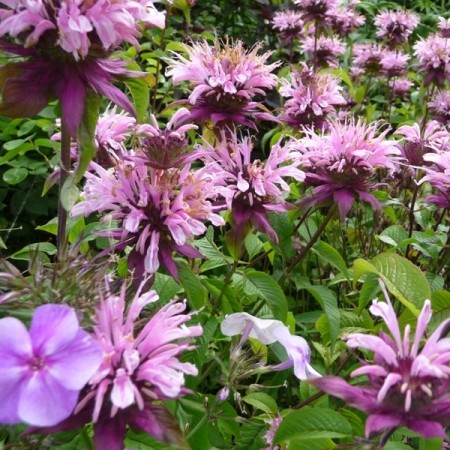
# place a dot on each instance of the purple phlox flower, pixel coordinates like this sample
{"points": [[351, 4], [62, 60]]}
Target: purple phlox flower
{"points": [[396, 26], [444, 27], [438, 176], [328, 50], [289, 23], [250, 188], [400, 88], [226, 78], [269, 331], [393, 63], [316, 10], [140, 368], [312, 98], [341, 164], [76, 26], [440, 106], [163, 149], [434, 58], [270, 435], [416, 143], [368, 57], [407, 382], [344, 18], [158, 212], [43, 371]]}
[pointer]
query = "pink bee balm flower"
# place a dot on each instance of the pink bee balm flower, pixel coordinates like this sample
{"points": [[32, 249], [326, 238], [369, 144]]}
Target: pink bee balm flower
{"points": [[226, 78], [434, 58], [327, 50], [158, 211], [440, 106], [368, 57], [344, 18], [444, 27], [43, 371], [312, 98], [251, 188], [289, 23], [407, 381], [342, 163], [316, 10], [396, 26], [393, 63], [401, 87], [140, 368], [439, 176], [163, 149]]}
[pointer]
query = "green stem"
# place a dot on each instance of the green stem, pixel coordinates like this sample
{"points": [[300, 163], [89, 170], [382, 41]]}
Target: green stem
{"points": [[62, 213]]}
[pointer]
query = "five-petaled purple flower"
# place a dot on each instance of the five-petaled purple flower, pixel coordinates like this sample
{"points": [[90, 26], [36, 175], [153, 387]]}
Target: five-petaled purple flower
{"points": [[408, 381], [43, 371]]}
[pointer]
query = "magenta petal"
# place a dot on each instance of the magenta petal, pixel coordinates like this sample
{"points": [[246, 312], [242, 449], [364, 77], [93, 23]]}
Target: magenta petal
{"points": [[109, 434], [14, 341], [428, 429], [188, 250], [44, 402], [52, 328], [344, 200], [77, 362], [377, 422]]}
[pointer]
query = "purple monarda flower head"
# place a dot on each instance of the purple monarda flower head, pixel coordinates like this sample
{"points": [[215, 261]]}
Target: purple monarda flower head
{"points": [[164, 149], [440, 106], [344, 18], [316, 10], [434, 59], [408, 382], [401, 87], [226, 77], [341, 164], [158, 212], [393, 63], [43, 371], [67, 44], [444, 27], [312, 98], [289, 23], [327, 50], [396, 26], [250, 188], [140, 368], [439, 176], [368, 57]]}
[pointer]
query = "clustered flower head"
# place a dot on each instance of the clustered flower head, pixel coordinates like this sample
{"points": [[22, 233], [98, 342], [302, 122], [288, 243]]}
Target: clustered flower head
{"points": [[158, 212], [226, 78], [434, 59], [289, 23], [344, 18], [248, 187], [407, 381], [316, 10], [393, 63], [66, 45], [164, 149], [368, 57], [140, 367], [44, 370], [312, 98], [396, 26], [400, 88], [341, 163], [440, 106], [444, 27], [439, 176], [325, 51]]}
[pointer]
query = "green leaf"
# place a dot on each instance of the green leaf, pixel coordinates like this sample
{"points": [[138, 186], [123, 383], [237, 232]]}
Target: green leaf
{"points": [[393, 235], [69, 193], [392, 445], [140, 92], [331, 255], [195, 292], [165, 286], [312, 423], [86, 133], [2, 244], [269, 290], [262, 401], [430, 444], [15, 175], [402, 278], [251, 436], [40, 247]]}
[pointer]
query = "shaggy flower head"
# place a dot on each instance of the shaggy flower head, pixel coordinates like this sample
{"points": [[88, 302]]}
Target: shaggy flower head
{"points": [[158, 212], [140, 366], [368, 57], [444, 27], [344, 18], [327, 50], [408, 381], [416, 144], [43, 371], [250, 189], [393, 63], [312, 98], [226, 77], [316, 10], [401, 87], [341, 164], [440, 106], [396, 26], [439, 177], [434, 58], [164, 149], [269, 331], [289, 23], [67, 44]]}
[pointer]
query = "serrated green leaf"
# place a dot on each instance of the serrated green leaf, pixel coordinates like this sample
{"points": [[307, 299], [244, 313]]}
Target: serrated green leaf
{"points": [[140, 92], [251, 436], [312, 423], [15, 175], [331, 255], [262, 401], [69, 193], [269, 290], [195, 291], [41, 247]]}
